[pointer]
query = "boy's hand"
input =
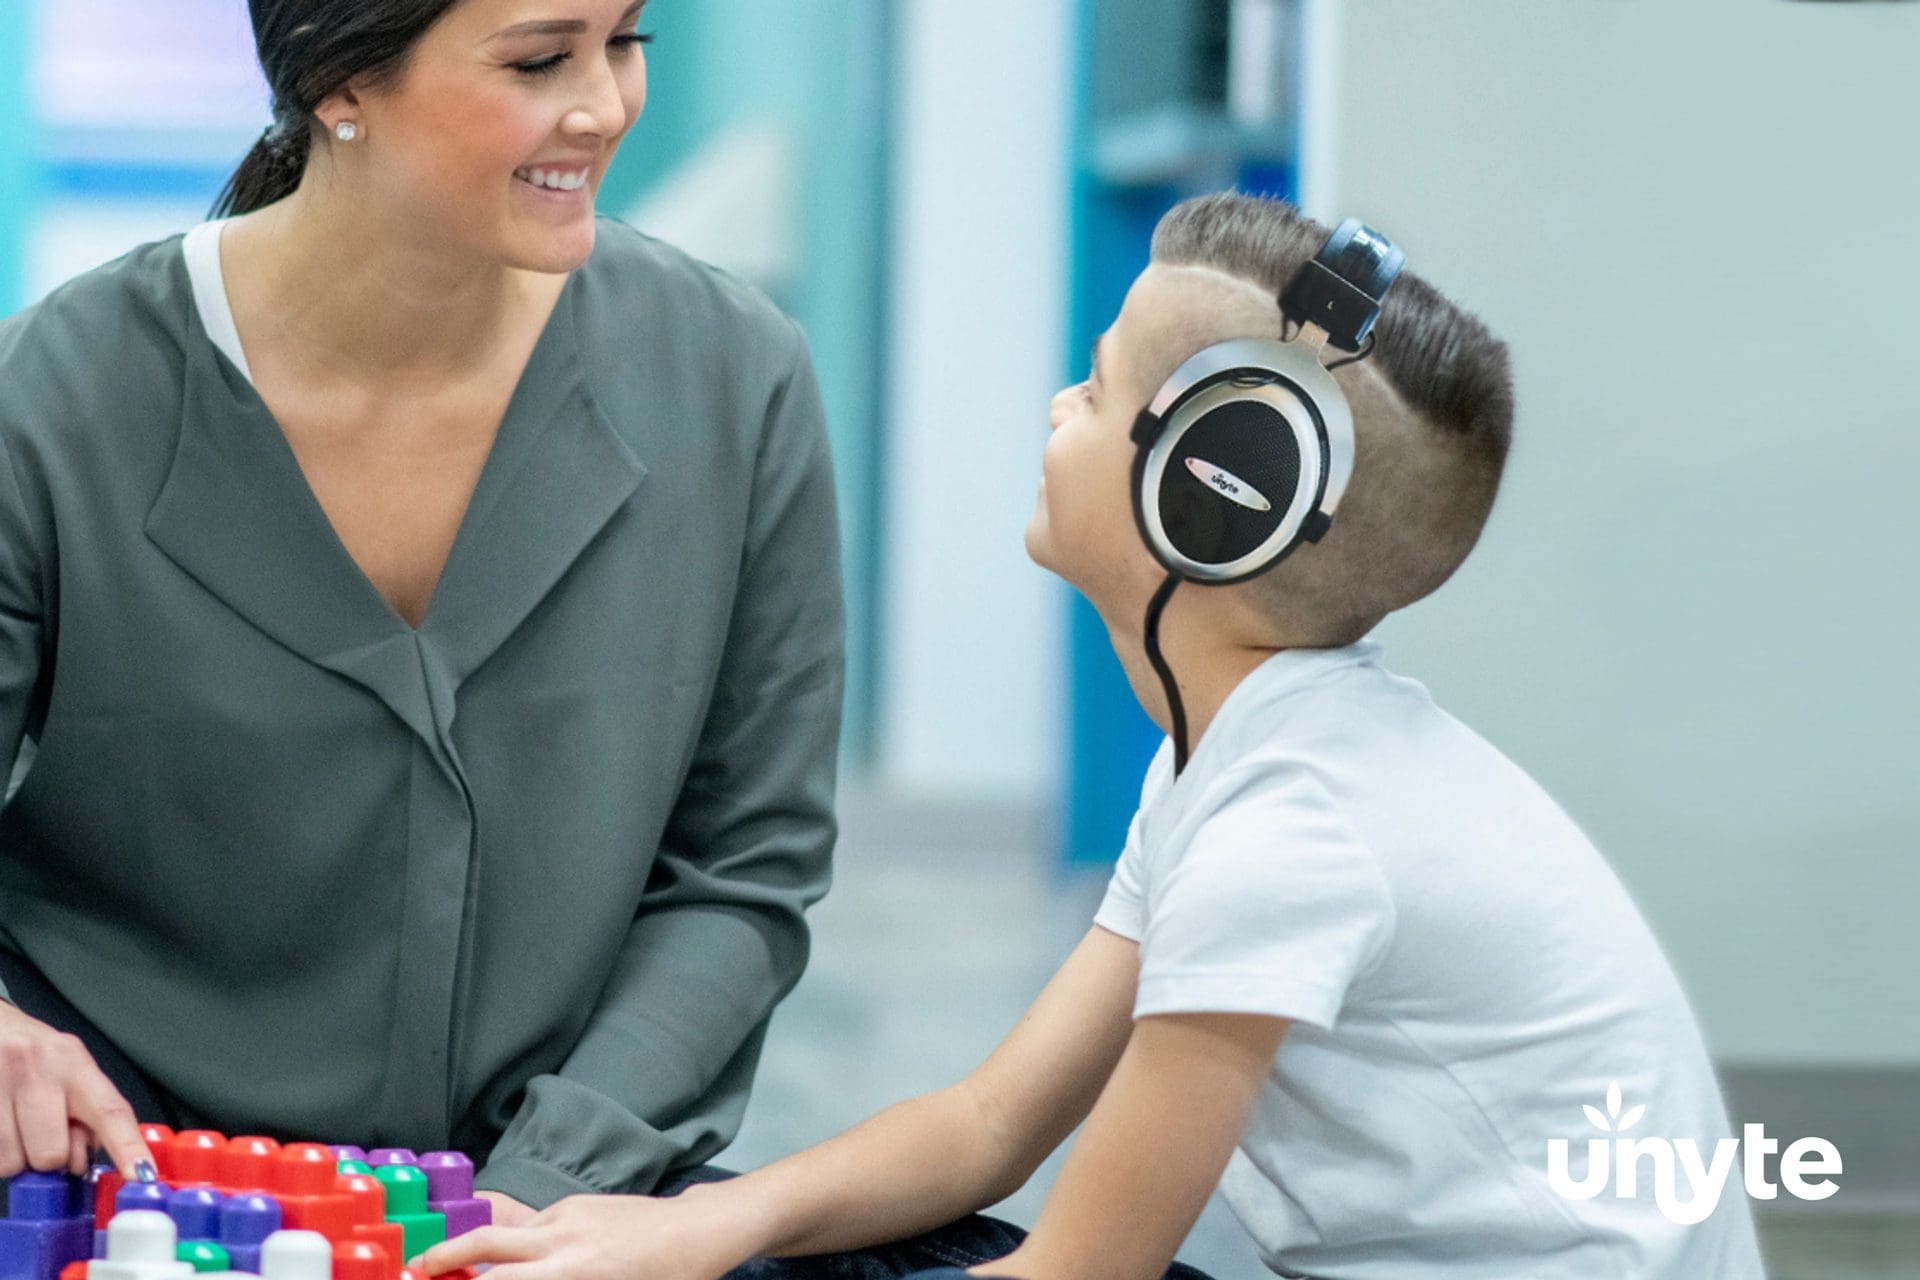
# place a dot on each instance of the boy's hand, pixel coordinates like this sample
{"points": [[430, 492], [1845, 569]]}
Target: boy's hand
{"points": [[507, 1212], [602, 1238]]}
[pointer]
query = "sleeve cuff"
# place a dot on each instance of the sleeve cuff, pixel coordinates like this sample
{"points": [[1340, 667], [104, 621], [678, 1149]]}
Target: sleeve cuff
{"points": [[1236, 991], [1117, 919], [533, 1184]]}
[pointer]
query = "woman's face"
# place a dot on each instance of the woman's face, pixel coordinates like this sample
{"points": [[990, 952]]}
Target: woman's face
{"points": [[498, 132]]}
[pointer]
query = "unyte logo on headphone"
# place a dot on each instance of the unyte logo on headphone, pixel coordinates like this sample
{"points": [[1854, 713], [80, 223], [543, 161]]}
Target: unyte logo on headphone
{"points": [[1228, 485]]}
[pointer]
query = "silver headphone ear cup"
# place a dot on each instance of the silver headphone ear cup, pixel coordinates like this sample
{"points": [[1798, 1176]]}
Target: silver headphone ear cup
{"points": [[1231, 480]]}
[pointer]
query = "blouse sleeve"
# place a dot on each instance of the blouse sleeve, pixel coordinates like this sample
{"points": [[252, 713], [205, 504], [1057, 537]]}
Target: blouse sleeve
{"points": [[719, 938], [20, 620]]}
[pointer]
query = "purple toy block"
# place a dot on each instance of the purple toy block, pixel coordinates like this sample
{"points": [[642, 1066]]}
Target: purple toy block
{"points": [[449, 1175], [350, 1153], [196, 1213], [245, 1223], [47, 1226], [143, 1195], [463, 1215], [391, 1155]]}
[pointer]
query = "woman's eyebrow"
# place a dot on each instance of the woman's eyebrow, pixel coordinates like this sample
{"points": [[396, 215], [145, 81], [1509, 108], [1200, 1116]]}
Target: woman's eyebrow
{"points": [[559, 26]]}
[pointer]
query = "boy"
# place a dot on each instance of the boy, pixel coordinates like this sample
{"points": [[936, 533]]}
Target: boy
{"points": [[1352, 958]]}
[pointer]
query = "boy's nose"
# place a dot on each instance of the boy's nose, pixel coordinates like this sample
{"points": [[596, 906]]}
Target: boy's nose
{"points": [[1057, 410]]}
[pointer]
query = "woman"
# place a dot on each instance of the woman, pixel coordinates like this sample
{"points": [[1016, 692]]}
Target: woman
{"points": [[424, 601]]}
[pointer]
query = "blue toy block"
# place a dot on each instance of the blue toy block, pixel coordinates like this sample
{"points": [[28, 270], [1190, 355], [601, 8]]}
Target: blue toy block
{"points": [[196, 1213], [245, 1224], [48, 1225]]}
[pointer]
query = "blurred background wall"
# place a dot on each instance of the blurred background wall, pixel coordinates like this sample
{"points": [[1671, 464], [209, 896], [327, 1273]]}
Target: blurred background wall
{"points": [[1691, 616]]}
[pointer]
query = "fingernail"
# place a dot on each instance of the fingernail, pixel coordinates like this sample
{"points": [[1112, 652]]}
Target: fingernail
{"points": [[143, 1171]]}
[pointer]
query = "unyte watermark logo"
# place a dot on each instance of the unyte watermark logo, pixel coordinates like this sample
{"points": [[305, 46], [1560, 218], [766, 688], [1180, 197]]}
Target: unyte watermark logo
{"points": [[1687, 1182]]}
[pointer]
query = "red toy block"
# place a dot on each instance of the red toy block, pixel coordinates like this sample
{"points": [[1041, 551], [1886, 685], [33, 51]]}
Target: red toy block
{"points": [[105, 1188], [74, 1271], [248, 1164], [362, 1260], [159, 1140], [369, 1198], [195, 1158], [304, 1169]]}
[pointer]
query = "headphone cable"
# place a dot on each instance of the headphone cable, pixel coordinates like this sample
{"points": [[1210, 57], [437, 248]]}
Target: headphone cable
{"points": [[1175, 708]]}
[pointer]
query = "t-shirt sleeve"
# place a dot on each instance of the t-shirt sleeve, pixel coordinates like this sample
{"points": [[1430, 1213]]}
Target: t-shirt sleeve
{"points": [[1275, 907], [1124, 908]]}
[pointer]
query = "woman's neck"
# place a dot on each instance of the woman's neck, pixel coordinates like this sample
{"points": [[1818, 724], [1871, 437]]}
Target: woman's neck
{"points": [[366, 299]]}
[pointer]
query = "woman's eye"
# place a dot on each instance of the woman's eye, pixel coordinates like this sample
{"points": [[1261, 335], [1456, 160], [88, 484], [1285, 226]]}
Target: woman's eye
{"points": [[544, 67], [547, 66]]}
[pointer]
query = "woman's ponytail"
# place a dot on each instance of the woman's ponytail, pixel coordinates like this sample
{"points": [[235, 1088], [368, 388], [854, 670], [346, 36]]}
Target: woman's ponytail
{"points": [[271, 171], [309, 49]]}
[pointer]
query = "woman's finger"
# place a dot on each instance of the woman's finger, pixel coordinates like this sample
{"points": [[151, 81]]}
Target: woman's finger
{"points": [[79, 1150], [484, 1244], [40, 1115], [94, 1102], [12, 1158]]}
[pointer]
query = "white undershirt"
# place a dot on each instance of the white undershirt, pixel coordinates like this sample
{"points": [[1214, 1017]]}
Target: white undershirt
{"points": [[202, 249]]}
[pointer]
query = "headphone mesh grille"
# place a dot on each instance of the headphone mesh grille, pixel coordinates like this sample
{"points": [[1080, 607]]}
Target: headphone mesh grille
{"points": [[1254, 444]]}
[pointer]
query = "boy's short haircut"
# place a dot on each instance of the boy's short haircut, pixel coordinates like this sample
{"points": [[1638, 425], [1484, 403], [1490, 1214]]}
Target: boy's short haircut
{"points": [[1426, 466]]}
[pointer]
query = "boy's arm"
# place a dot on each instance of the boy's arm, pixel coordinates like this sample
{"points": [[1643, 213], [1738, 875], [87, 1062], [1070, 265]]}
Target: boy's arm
{"points": [[1153, 1150], [915, 1166], [931, 1160]]}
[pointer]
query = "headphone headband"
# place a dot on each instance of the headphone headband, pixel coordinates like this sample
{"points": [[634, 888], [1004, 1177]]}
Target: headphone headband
{"points": [[1342, 288]]}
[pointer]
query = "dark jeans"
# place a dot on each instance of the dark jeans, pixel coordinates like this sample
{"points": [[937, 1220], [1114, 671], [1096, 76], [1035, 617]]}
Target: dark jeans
{"points": [[945, 1253], [942, 1254]]}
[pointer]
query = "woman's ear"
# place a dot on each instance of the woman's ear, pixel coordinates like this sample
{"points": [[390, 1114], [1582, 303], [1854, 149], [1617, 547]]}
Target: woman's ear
{"points": [[343, 106]]}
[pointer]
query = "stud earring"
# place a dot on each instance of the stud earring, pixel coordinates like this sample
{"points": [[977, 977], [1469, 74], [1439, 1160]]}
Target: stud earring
{"points": [[346, 131]]}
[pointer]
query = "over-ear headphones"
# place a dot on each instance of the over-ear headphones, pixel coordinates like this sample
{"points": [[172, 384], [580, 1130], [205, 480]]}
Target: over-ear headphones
{"points": [[1246, 451]]}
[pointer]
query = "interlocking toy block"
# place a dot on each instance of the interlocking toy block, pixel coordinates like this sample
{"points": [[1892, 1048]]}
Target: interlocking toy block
{"points": [[234, 1195], [204, 1255], [450, 1192], [48, 1225], [407, 1205], [196, 1214], [245, 1223], [140, 1246]]}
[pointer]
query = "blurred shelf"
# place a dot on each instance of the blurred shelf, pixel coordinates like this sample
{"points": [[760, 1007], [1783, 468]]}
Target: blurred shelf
{"points": [[1181, 143]]}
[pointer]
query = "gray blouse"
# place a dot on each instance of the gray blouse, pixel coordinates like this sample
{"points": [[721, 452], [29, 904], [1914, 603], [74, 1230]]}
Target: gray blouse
{"points": [[526, 880]]}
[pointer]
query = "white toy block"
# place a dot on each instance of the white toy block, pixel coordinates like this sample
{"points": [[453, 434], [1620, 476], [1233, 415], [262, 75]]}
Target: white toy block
{"points": [[140, 1246], [295, 1255]]}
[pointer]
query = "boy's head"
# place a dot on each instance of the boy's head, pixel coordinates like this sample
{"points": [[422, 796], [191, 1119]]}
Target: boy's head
{"points": [[1432, 412]]}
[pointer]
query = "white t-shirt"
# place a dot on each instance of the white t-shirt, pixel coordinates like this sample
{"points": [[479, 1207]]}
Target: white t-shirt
{"points": [[1464, 975], [201, 246]]}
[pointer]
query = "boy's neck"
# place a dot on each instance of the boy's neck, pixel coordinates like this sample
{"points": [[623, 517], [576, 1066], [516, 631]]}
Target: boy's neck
{"points": [[1209, 658]]}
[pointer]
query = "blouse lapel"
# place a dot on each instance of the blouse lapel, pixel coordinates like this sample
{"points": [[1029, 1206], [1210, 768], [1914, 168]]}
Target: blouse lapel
{"points": [[236, 513], [558, 473]]}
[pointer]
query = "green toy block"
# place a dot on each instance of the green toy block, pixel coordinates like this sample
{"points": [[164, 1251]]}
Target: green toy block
{"points": [[203, 1255]]}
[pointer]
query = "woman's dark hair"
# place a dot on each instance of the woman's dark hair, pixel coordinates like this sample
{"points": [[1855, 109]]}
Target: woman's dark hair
{"points": [[309, 49]]}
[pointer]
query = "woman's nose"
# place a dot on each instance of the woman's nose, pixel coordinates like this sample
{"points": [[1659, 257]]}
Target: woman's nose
{"points": [[603, 112]]}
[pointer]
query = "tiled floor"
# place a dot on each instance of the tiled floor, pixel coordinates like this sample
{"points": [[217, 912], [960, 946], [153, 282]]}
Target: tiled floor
{"points": [[941, 927]]}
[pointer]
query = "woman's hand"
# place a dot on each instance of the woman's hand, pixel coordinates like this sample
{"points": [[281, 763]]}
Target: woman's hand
{"points": [[603, 1238], [56, 1105], [507, 1212]]}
